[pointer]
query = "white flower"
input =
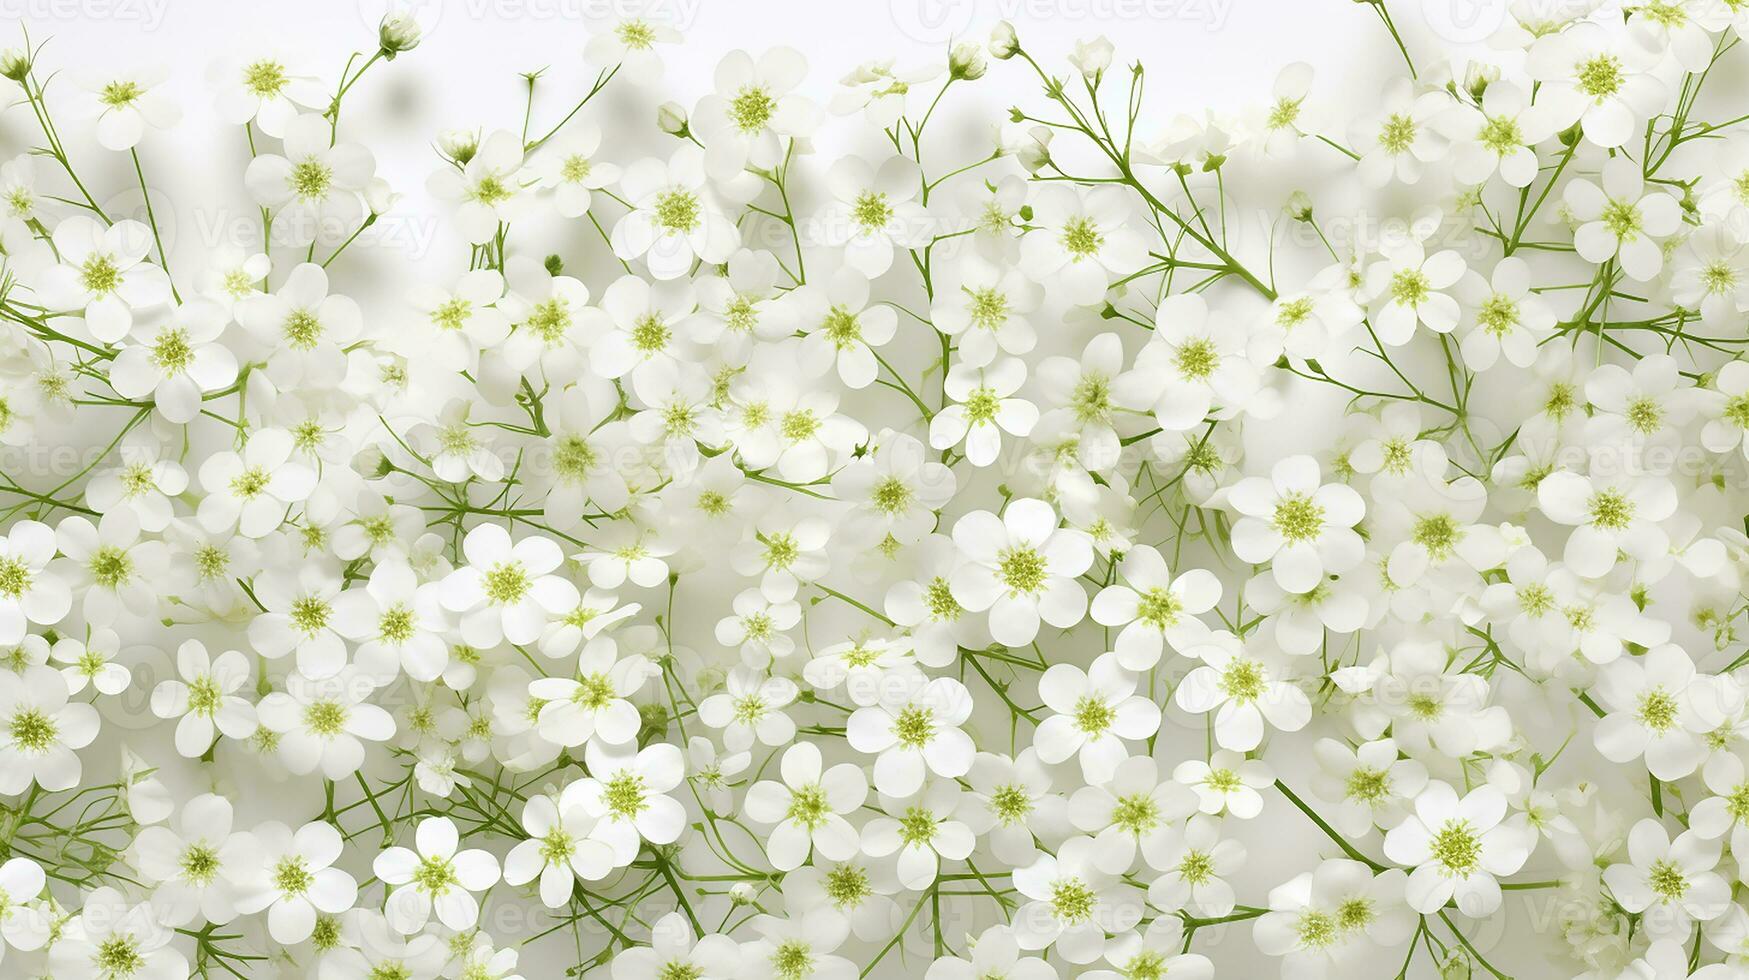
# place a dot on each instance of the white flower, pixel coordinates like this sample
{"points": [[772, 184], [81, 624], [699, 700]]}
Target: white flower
{"points": [[1623, 219], [1402, 136], [1407, 288], [1073, 903], [1651, 712], [1458, 847], [294, 878], [572, 171], [198, 868], [873, 212], [593, 705], [41, 731], [437, 876], [807, 809], [675, 951], [1194, 862], [108, 930], [315, 189], [323, 724], [627, 788], [984, 406], [1670, 882], [1596, 78], [29, 591], [1022, 568], [103, 275], [843, 327], [1081, 243], [754, 106], [126, 102], [1244, 689], [925, 829], [751, 709], [1094, 714], [491, 190], [912, 730], [507, 591], [263, 90], [675, 219], [1609, 516], [178, 360], [1300, 525], [559, 847], [986, 308], [1499, 136]]}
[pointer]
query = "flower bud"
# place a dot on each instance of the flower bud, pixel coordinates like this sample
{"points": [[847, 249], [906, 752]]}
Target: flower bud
{"points": [[15, 63], [1299, 206], [671, 119], [1035, 151], [459, 145], [966, 61], [1004, 43], [397, 33], [1477, 78]]}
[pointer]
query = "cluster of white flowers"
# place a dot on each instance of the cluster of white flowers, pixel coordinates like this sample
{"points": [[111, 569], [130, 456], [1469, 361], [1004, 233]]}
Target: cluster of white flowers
{"points": [[1042, 559]]}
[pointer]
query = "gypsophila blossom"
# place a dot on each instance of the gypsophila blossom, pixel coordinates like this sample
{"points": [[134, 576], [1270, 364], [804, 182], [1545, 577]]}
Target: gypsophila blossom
{"points": [[971, 509]]}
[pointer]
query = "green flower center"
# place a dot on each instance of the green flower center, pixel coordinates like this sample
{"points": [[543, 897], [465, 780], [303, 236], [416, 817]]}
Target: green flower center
{"points": [[1667, 880], [1243, 680], [1298, 518], [111, 567], [847, 885], [99, 274], [1397, 134], [650, 335], [302, 330], [1438, 535], [1600, 77], [1197, 867], [982, 405], [265, 78], [1197, 359], [506, 583], [309, 615], [1410, 287], [434, 875], [1010, 804], [1368, 785], [1093, 715], [1072, 901], [799, 424], [1159, 608], [119, 956], [15, 577], [917, 827], [988, 308], [310, 179], [1022, 569], [549, 320], [751, 109], [1658, 710], [624, 795], [1136, 813], [171, 352], [1457, 849], [938, 599], [119, 94], [291, 877], [1501, 135], [1081, 238], [792, 960], [326, 718], [1611, 509], [635, 35], [1498, 315], [32, 731], [914, 726], [677, 211], [841, 328], [871, 210], [199, 864]]}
